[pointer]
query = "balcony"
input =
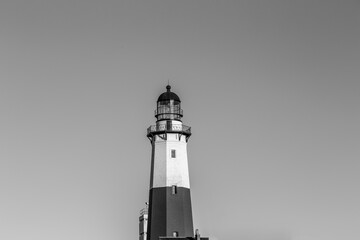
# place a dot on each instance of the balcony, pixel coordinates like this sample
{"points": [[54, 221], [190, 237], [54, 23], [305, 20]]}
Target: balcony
{"points": [[168, 128]]}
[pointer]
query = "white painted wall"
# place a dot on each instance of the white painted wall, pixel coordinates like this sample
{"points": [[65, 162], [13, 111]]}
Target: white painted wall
{"points": [[171, 171]]}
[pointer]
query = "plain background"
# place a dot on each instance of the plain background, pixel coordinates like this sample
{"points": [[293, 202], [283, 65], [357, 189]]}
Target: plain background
{"points": [[270, 88]]}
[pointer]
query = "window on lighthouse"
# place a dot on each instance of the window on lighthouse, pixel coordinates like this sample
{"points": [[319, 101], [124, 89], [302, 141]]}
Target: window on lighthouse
{"points": [[173, 153], [173, 189]]}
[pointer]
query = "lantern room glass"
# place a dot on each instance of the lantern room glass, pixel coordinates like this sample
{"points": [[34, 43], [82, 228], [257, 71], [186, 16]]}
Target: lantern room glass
{"points": [[168, 110]]}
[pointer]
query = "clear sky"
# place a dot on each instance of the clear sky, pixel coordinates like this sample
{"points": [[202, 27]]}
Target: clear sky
{"points": [[270, 88]]}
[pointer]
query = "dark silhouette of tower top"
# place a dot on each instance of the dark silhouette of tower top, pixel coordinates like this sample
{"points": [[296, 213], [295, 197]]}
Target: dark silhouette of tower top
{"points": [[168, 95]]}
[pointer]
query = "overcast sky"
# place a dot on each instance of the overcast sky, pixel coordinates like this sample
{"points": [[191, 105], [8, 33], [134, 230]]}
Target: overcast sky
{"points": [[270, 88]]}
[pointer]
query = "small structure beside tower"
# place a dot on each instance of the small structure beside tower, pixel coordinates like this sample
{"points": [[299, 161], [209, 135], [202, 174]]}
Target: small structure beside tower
{"points": [[169, 213]]}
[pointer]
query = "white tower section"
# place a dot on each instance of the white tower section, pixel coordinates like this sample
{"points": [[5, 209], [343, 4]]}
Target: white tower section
{"points": [[171, 165]]}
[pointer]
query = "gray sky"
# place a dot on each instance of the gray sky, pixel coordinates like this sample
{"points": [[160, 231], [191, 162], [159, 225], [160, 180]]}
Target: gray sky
{"points": [[270, 88]]}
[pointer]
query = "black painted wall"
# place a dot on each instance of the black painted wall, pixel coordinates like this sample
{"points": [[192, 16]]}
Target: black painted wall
{"points": [[170, 212]]}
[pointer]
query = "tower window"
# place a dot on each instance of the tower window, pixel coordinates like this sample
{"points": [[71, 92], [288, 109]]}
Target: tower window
{"points": [[173, 153], [173, 189]]}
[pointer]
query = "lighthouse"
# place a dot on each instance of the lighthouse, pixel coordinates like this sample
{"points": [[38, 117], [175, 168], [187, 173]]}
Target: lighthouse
{"points": [[169, 213]]}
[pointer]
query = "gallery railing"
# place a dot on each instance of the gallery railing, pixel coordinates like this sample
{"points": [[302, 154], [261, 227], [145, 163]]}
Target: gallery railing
{"points": [[172, 110], [175, 128], [144, 211], [165, 112]]}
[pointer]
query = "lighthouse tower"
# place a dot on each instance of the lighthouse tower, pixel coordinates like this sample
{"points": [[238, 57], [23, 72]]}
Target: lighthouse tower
{"points": [[169, 211]]}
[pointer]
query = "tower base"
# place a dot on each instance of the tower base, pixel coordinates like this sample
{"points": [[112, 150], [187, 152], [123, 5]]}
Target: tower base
{"points": [[169, 213]]}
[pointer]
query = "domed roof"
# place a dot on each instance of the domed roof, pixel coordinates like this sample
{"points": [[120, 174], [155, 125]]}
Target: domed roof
{"points": [[168, 95]]}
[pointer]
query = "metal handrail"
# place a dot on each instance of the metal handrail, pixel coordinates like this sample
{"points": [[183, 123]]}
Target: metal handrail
{"points": [[144, 211], [178, 111], [169, 128]]}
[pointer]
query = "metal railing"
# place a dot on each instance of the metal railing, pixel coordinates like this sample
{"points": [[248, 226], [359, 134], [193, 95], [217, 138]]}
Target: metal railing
{"points": [[144, 211], [169, 110], [169, 128]]}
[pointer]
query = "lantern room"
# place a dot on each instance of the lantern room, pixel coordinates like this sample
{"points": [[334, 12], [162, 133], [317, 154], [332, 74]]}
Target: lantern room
{"points": [[168, 106]]}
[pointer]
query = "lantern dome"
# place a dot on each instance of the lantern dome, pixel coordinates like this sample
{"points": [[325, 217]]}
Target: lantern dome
{"points": [[168, 95], [168, 106]]}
